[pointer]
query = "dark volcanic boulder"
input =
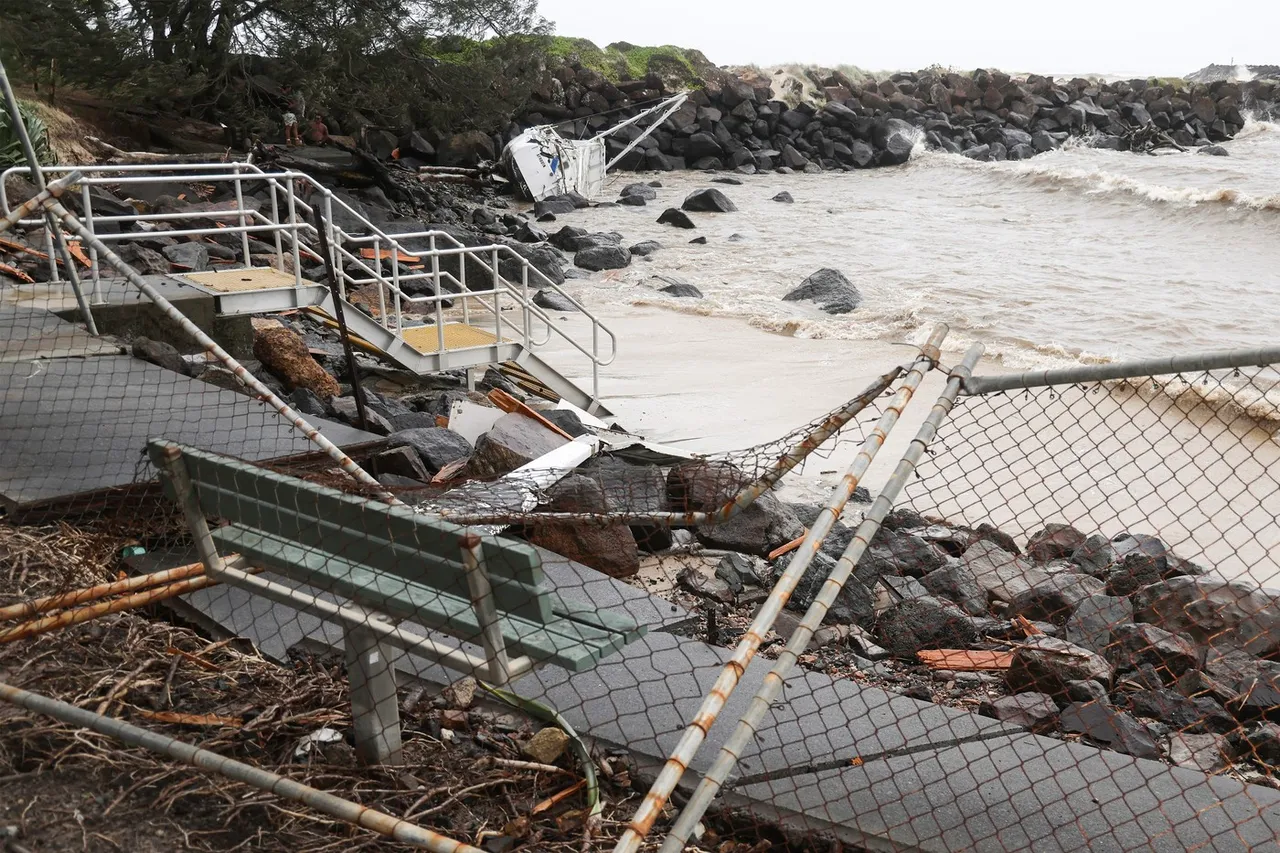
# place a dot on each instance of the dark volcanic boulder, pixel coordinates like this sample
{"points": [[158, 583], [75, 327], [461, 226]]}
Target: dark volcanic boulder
{"points": [[1054, 542], [956, 582], [830, 290], [553, 301], [1134, 645], [760, 528], [676, 217], [895, 138], [193, 257], [512, 441], [709, 200], [679, 289], [602, 257], [924, 622], [1228, 615], [1046, 664], [435, 446], [166, 356], [1095, 618], [784, 197], [643, 191], [607, 547], [1105, 724], [645, 247], [853, 605], [1034, 711], [1001, 574], [1055, 598]]}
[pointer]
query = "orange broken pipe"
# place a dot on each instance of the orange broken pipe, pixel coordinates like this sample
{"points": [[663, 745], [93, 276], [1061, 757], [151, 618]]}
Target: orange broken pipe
{"points": [[384, 254], [966, 660]]}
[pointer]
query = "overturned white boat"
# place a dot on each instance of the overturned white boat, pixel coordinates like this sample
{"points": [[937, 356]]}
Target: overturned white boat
{"points": [[542, 163]]}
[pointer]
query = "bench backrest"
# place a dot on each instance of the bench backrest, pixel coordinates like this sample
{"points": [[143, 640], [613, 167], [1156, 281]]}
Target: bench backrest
{"points": [[393, 540]]}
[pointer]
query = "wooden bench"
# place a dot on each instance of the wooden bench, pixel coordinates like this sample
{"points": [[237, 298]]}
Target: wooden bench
{"points": [[389, 563]]}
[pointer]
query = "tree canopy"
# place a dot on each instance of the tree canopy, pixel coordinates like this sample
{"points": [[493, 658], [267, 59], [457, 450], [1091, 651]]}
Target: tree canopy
{"points": [[446, 62]]}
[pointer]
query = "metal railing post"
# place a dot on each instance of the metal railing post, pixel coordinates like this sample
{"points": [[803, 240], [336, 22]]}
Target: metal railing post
{"points": [[524, 294], [441, 356], [244, 235], [275, 220], [767, 614], [293, 224], [497, 308], [395, 285], [769, 691], [95, 269], [378, 279]]}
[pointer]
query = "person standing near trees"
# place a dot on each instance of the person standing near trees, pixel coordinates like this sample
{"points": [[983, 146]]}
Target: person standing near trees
{"points": [[295, 111]]}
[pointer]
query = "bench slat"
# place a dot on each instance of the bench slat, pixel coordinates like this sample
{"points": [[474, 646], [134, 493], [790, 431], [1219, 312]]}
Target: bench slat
{"points": [[564, 641], [504, 558], [400, 557]]}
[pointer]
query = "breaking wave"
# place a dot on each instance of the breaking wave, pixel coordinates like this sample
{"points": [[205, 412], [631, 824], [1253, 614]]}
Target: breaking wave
{"points": [[1102, 182]]}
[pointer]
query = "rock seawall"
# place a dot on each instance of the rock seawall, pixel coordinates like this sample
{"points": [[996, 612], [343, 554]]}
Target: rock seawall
{"points": [[740, 123]]}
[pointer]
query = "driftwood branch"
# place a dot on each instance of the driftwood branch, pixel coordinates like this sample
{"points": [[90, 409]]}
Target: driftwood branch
{"points": [[109, 155]]}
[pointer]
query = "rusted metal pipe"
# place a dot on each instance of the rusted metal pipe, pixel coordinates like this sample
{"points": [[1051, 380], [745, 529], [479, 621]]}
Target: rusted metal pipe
{"points": [[68, 618], [37, 180], [830, 425], [731, 675], [210, 345], [265, 780], [37, 201], [93, 593], [769, 691]]}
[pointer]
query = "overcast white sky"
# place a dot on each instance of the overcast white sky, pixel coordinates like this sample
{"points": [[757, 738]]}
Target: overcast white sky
{"points": [[1164, 38]]}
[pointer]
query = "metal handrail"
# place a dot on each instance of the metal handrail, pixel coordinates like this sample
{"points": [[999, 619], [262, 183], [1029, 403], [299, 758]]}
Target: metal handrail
{"points": [[258, 222]]}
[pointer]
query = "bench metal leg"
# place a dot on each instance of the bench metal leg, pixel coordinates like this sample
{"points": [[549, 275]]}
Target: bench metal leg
{"points": [[375, 709], [176, 468], [495, 647]]}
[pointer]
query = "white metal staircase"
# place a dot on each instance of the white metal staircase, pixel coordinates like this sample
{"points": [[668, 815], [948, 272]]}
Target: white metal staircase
{"points": [[456, 323]]}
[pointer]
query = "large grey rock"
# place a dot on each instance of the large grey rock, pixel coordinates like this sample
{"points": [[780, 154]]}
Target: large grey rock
{"points": [[645, 248], [1198, 714], [1095, 556], [554, 301], [676, 217], [891, 552], [1055, 598], [1001, 574], [708, 200], [853, 605], [908, 626], [605, 546], [830, 290], [1246, 684], [436, 446], [956, 582], [895, 138], [1228, 615], [1132, 573], [1264, 742], [1093, 620], [191, 257], [677, 287], [1034, 711], [159, 353], [760, 528], [643, 191], [1047, 664], [1109, 726], [632, 488], [1054, 542], [568, 237], [1133, 645], [1208, 753], [402, 462], [145, 261], [602, 257], [512, 441]]}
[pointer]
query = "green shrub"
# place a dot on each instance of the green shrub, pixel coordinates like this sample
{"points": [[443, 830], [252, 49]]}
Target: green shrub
{"points": [[11, 153]]}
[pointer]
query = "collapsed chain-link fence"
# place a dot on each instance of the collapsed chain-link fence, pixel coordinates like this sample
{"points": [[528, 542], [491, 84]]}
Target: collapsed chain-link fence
{"points": [[477, 620]]}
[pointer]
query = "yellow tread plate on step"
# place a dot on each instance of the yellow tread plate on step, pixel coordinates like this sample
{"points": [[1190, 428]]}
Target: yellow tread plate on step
{"points": [[231, 281], [426, 339]]}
